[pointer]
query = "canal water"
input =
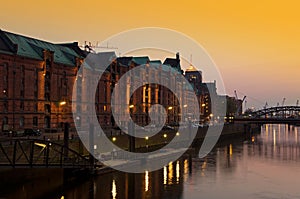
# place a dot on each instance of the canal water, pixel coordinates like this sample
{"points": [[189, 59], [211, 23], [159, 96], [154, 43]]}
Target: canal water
{"points": [[266, 166]]}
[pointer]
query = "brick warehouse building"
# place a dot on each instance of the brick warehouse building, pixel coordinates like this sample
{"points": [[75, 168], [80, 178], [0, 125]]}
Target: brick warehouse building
{"points": [[38, 78], [140, 102]]}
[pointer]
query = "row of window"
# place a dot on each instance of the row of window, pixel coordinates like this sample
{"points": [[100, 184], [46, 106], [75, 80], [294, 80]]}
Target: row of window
{"points": [[5, 106], [21, 121]]}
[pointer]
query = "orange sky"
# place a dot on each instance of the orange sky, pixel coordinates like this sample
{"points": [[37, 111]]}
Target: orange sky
{"points": [[256, 44]]}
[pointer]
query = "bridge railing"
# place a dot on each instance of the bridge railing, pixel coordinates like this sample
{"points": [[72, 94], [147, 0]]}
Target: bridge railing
{"points": [[39, 153]]}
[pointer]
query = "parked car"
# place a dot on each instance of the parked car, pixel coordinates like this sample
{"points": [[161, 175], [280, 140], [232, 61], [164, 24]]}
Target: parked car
{"points": [[31, 132]]}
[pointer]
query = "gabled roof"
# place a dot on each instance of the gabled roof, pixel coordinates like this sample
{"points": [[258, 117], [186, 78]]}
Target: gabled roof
{"points": [[33, 48]]}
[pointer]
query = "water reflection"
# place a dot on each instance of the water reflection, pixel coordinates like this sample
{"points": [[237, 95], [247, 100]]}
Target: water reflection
{"points": [[224, 173], [146, 181], [265, 166], [114, 190]]}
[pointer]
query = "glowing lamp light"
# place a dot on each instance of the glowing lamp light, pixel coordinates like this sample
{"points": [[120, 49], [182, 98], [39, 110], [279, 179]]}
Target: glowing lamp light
{"points": [[114, 139], [131, 106], [62, 103]]}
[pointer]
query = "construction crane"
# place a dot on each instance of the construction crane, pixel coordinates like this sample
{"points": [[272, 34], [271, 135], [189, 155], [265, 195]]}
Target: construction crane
{"points": [[282, 104]]}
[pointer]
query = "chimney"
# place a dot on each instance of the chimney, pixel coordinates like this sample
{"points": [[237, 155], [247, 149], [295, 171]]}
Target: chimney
{"points": [[177, 56]]}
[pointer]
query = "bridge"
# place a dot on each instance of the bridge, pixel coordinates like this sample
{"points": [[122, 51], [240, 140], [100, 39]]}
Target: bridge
{"points": [[36, 153], [279, 114]]}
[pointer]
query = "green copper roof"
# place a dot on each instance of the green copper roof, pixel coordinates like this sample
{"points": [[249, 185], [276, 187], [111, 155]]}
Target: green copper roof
{"points": [[155, 62], [141, 60], [33, 48]]}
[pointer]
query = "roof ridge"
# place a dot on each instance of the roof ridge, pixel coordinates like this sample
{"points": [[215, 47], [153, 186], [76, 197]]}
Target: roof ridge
{"points": [[28, 37]]}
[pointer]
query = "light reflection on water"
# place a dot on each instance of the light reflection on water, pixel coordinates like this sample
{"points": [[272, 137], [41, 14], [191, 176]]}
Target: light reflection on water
{"points": [[265, 166]]}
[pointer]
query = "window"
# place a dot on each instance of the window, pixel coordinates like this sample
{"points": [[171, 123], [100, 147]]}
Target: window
{"points": [[47, 86], [5, 120], [21, 106], [5, 80], [35, 107], [5, 106], [47, 75], [47, 108], [47, 97], [22, 70], [35, 121], [48, 64], [5, 123], [21, 121], [22, 93], [47, 122]]}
